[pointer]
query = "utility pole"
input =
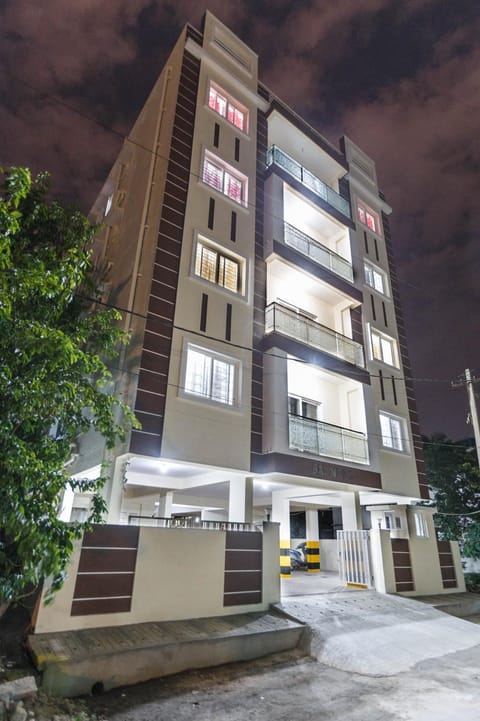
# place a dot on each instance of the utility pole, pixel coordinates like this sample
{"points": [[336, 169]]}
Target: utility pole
{"points": [[469, 381]]}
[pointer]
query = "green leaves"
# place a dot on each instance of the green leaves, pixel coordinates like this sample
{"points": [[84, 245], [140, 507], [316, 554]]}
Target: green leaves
{"points": [[52, 375], [454, 477]]}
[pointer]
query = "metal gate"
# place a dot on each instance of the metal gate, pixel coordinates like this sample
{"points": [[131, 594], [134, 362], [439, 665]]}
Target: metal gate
{"points": [[354, 558]]}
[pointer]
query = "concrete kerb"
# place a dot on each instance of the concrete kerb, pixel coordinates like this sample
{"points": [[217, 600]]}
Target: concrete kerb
{"points": [[87, 661]]}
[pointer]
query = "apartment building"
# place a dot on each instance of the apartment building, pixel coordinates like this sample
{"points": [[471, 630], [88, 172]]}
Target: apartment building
{"points": [[253, 264]]}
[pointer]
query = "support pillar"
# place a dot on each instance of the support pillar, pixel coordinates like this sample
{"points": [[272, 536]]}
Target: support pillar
{"points": [[113, 491], [312, 553], [281, 515], [351, 512], [164, 508], [240, 500]]}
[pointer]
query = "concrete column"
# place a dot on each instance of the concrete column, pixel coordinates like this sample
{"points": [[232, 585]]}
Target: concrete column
{"points": [[240, 500], [351, 511], [164, 508], [113, 491], [281, 515], [65, 512], [313, 544]]}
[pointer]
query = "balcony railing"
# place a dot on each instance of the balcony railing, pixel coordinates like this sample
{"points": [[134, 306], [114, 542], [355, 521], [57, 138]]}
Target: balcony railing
{"points": [[325, 439], [189, 522], [317, 252], [317, 186], [297, 326]]}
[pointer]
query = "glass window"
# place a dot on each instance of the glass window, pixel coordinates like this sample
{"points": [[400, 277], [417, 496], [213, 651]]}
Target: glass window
{"points": [[421, 528], [393, 433], [384, 348], [211, 376], [376, 278], [368, 217], [216, 267], [228, 108], [303, 408], [222, 178]]}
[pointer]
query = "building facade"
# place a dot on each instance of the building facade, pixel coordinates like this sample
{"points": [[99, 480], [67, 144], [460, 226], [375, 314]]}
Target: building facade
{"points": [[252, 262]]}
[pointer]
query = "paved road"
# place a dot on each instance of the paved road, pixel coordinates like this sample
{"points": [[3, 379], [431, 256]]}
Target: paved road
{"points": [[374, 658]]}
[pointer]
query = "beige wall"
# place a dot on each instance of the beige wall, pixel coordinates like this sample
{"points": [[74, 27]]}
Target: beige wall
{"points": [[179, 575], [424, 559]]}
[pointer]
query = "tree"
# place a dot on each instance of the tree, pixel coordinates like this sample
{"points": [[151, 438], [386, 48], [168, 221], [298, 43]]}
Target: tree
{"points": [[454, 477], [53, 377]]}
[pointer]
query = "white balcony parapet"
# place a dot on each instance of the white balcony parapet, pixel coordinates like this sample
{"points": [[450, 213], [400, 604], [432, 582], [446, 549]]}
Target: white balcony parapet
{"points": [[293, 324], [189, 522], [325, 439], [317, 252], [278, 157]]}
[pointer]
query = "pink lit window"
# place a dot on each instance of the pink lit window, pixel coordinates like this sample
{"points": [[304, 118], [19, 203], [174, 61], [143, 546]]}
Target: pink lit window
{"points": [[213, 175], [219, 176], [229, 109], [368, 217], [233, 188]]}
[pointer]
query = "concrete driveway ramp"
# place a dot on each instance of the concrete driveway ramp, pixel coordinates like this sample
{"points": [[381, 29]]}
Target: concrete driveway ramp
{"points": [[378, 635], [76, 663]]}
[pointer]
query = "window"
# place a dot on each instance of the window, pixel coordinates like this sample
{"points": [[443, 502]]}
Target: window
{"points": [[392, 522], [368, 217], [384, 348], [226, 181], [376, 278], [393, 433], [217, 267], [211, 376], [304, 408], [421, 527], [228, 108]]}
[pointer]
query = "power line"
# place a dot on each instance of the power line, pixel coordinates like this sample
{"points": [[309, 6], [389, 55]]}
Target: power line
{"points": [[169, 323]]}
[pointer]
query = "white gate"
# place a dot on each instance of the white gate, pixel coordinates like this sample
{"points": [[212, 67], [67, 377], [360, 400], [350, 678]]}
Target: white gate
{"points": [[354, 558]]}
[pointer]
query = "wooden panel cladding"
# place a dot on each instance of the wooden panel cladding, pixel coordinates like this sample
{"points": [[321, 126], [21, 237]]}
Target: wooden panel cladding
{"points": [[412, 406], [157, 343], [447, 564], [402, 565], [106, 571], [243, 568], [259, 296]]}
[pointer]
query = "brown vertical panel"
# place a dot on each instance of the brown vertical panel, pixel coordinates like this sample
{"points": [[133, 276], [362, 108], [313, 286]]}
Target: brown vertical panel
{"points": [[228, 322], [233, 227], [412, 406], [106, 570], [260, 292], [382, 386], [402, 565], [211, 213], [164, 284], [447, 564], [203, 312], [243, 568]]}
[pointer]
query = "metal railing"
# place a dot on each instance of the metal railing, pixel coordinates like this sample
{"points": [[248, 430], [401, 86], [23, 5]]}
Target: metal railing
{"points": [[317, 186], [325, 439], [189, 522], [297, 326], [317, 252]]}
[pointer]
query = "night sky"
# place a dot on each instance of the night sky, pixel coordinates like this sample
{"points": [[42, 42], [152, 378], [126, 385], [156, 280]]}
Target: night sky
{"points": [[400, 78]]}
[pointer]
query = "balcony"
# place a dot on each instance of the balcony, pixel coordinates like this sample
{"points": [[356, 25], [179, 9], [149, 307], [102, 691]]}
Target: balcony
{"points": [[275, 156], [325, 439], [293, 324], [317, 252]]}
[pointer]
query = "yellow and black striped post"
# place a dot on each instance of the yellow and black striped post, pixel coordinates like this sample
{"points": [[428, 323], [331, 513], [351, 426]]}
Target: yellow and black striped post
{"points": [[313, 556], [285, 566]]}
